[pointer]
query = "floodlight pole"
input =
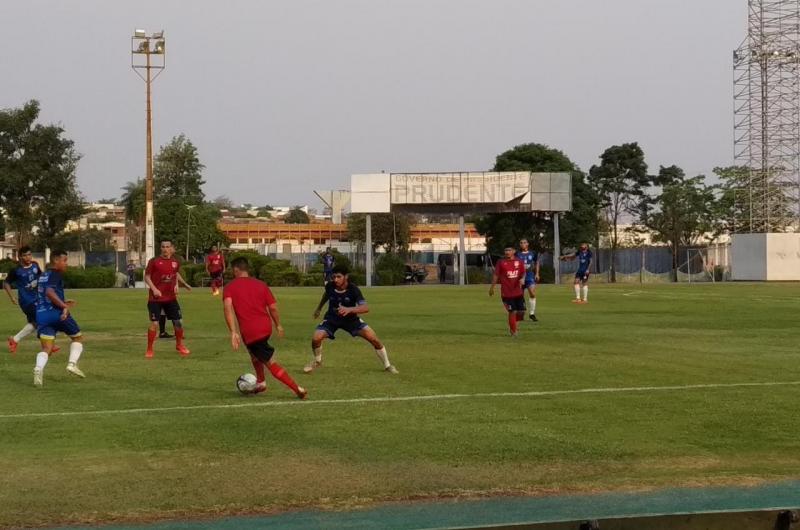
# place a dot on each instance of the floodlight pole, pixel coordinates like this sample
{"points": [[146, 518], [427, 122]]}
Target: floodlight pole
{"points": [[462, 253], [556, 249], [368, 250]]}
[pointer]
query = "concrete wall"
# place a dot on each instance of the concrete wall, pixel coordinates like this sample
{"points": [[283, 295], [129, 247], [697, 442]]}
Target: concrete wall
{"points": [[765, 257]]}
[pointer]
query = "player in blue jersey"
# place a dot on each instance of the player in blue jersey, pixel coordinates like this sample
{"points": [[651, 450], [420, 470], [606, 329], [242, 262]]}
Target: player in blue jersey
{"points": [[328, 261], [584, 257], [531, 260], [52, 316], [346, 304], [24, 277]]}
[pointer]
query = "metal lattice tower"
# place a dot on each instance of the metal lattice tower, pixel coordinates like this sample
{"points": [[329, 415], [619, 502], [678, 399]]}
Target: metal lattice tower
{"points": [[767, 118]]}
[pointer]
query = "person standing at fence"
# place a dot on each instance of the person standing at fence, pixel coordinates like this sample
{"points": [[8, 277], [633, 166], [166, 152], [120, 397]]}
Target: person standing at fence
{"points": [[131, 269], [531, 260], [162, 276], [510, 273], [24, 277], [584, 257], [328, 262], [215, 267]]}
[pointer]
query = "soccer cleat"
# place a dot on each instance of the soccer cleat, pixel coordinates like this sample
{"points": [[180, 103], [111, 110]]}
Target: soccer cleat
{"points": [[513, 334], [183, 350], [149, 354], [12, 345], [302, 393], [215, 292], [74, 370], [260, 387], [391, 369], [165, 335], [312, 365], [38, 379], [55, 349], [583, 301], [533, 317], [576, 301]]}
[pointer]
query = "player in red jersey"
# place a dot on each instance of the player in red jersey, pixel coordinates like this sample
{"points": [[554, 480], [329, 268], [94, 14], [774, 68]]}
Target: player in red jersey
{"points": [[510, 272], [215, 267], [249, 303], [162, 276]]}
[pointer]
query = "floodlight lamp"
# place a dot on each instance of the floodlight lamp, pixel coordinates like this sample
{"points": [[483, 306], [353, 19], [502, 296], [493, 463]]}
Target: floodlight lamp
{"points": [[158, 34], [144, 47], [159, 47], [140, 34]]}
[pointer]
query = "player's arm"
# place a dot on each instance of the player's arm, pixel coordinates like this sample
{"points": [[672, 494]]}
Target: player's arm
{"points": [[149, 282], [567, 257], [7, 286], [64, 306], [230, 320], [361, 307], [322, 302], [183, 282], [536, 274], [495, 279], [272, 309]]}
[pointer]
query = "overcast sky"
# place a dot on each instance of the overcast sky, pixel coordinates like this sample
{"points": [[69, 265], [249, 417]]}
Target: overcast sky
{"points": [[284, 97]]}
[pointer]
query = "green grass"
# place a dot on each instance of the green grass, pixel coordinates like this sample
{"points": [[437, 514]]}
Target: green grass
{"points": [[210, 461]]}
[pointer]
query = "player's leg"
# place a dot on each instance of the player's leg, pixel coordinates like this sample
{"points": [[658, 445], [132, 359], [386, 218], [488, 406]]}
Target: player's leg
{"points": [[173, 311], [261, 353], [73, 331], [577, 287], [47, 335], [154, 313], [323, 331], [369, 335], [585, 289], [27, 329], [532, 301], [509, 306]]}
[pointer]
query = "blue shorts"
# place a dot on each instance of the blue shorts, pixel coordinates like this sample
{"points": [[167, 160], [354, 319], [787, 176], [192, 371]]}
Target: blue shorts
{"points": [[50, 323], [530, 280], [30, 312], [582, 276], [353, 327]]}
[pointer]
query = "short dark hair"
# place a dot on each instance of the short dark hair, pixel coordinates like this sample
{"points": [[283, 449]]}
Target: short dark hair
{"points": [[57, 254], [241, 263], [340, 269], [24, 249], [166, 240]]}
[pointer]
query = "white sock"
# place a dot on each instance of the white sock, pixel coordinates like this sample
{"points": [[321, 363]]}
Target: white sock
{"points": [[318, 354], [577, 292], [24, 332], [532, 305], [75, 350], [383, 356], [585, 293], [41, 360]]}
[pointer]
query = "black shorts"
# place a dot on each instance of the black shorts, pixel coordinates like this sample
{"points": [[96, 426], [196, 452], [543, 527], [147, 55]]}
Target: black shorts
{"points": [[514, 304], [171, 309], [30, 313], [352, 326], [261, 350], [216, 275]]}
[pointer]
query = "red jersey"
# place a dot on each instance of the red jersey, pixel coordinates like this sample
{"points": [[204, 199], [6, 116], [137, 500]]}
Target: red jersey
{"points": [[250, 299], [215, 262], [510, 272], [163, 273]]}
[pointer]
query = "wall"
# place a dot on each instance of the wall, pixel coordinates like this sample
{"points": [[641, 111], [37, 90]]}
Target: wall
{"points": [[783, 257], [749, 257]]}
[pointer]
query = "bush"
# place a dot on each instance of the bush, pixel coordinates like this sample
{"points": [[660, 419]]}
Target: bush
{"points": [[192, 273], [6, 265], [478, 275], [197, 279], [313, 279], [287, 278], [358, 277], [547, 274], [390, 270], [340, 259], [90, 278], [256, 260]]}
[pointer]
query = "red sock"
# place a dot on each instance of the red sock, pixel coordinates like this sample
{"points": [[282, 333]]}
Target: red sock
{"points": [[151, 338], [178, 336], [259, 368], [280, 374], [520, 317], [512, 322]]}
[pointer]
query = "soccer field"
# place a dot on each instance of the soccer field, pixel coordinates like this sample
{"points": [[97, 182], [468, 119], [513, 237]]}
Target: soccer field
{"points": [[645, 387]]}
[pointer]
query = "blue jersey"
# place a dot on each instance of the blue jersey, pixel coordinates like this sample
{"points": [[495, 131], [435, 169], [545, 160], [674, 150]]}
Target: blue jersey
{"points": [[327, 262], [529, 258], [49, 279], [25, 279], [584, 258], [350, 297]]}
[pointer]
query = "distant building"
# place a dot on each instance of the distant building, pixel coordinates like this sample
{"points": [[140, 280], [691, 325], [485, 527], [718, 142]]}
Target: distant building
{"points": [[107, 217]]}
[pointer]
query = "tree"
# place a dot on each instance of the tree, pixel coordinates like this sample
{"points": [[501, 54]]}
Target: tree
{"points": [[390, 231], [682, 213], [173, 217], [296, 216], [223, 202], [37, 174], [86, 240], [577, 226], [177, 172], [619, 183]]}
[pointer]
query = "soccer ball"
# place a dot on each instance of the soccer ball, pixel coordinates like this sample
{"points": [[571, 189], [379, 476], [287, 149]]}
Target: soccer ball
{"points": [[246, 383]]}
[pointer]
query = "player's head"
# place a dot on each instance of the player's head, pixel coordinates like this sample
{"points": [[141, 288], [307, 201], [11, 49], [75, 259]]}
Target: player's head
{"points": [[584, 246], [25, 255], [328, 250], [241, 267], [523, 244], [167, 248], [509, 252], [214, 249], [339, 275], [58, 260]]}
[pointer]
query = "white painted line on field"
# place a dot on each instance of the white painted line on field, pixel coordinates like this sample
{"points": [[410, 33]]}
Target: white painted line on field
{"points": [[388, 399]]}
